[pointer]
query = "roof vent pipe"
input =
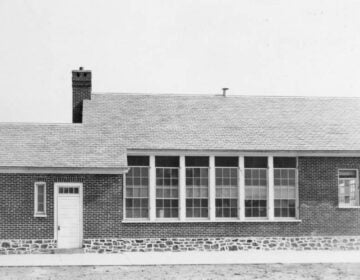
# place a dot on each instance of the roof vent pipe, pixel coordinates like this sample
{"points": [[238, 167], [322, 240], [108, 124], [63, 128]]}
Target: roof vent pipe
{"points": [[224, 91]]}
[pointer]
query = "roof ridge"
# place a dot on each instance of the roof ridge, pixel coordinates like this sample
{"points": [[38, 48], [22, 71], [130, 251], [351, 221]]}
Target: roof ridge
{"points": [[220, 95]]}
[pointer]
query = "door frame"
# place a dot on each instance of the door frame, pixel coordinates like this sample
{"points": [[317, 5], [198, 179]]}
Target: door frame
{"points": [[56, 192]]}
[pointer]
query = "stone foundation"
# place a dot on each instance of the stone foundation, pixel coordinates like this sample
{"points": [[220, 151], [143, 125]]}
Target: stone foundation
{"points": [[26, 246], [221, 244]]}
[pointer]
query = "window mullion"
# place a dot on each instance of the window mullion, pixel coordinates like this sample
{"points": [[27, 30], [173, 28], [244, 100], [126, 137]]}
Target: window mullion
{"points": [[271, 188], [297, 203], [241, 185], [182, 189], [152, 189], [212, 190]]}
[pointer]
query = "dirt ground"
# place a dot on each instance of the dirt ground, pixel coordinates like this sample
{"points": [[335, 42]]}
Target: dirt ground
{"points": [[168, 272]]}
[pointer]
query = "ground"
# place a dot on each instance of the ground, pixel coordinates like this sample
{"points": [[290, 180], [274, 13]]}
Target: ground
{"points": [[168, 272]]}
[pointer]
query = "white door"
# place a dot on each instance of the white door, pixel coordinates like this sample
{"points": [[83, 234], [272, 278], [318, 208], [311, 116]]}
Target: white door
{"points": [[68, 226]]}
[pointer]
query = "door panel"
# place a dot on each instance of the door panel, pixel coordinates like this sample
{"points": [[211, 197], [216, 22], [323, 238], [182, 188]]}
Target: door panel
{"points": [[69, 220]]}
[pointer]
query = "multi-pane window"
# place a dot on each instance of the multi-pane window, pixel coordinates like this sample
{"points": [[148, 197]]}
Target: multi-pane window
{"points": [[284, 187], [348, 188], [40, 199], [137, 188], [226, 180], [167, 187], [68, 190], [255, 187], [164, 178], [197, 187]]}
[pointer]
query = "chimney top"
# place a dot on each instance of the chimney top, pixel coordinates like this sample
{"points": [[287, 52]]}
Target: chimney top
{"points": [[81, 84], [81, 75], [224, 91]]}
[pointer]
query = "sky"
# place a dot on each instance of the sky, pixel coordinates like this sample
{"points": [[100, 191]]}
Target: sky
{"points": [[253, 47]]}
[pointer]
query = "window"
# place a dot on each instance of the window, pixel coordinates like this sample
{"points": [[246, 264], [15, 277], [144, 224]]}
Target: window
{"points": [[137, 188], [197, 187], [284, 187], [153, 186], [68, 190], [255, 187], [167, 187], [40, 199], [226, 180], [348, 188]]}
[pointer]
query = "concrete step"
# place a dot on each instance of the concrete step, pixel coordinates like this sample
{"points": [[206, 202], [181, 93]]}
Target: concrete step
{"points": [[66, 251]]}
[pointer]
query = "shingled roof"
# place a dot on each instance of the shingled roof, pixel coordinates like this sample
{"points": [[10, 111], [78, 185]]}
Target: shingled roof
{"points": [[241, 123], [114, 123], [59, 145]]}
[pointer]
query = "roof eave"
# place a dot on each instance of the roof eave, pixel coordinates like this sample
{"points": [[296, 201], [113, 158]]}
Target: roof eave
{"points": [[63, 170]]}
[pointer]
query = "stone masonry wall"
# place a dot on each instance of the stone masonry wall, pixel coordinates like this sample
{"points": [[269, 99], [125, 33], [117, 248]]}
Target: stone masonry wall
{"points": [[222, 244], [26, 246]]}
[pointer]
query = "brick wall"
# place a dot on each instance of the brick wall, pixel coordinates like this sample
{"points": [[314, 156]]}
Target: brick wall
{"points": [[101, 205], [318, 192]]}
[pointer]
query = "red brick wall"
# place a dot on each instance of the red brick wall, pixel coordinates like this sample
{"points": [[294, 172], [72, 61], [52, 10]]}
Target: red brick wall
{"points": [[102, 204], [318, 192]]}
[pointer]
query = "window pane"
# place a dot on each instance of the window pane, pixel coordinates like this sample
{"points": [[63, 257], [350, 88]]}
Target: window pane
{"points": [[284, 192], [284, 162], [348, 188], [41, 207], [137, 192], [256, 162], [166, 161], [255, 192], [197, 192], [347, 174], [226, 188], [40, 192], [138, 160], [226, 161], [167, 190], [284, 208], [197, 161]]}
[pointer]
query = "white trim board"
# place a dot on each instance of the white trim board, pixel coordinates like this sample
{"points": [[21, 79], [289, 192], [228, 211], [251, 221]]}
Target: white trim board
{"points": [[147, 152]]}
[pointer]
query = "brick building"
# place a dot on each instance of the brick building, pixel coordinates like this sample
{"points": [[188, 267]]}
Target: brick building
{"points": [[183, 172]]}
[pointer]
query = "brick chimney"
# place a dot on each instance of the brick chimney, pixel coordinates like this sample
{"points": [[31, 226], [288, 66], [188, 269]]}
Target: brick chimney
{"points": [[81, 84]]}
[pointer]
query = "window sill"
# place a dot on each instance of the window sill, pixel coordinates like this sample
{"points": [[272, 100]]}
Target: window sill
{"points": [[127, 221], [348, 207], [40, 215]]}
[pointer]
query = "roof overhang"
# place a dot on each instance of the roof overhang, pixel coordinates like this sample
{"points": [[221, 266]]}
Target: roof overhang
{"points": [[64, 170], [299, 153]]}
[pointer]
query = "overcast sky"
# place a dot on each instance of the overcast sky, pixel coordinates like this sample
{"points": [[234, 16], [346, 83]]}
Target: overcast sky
{"points": [[263, 47]]}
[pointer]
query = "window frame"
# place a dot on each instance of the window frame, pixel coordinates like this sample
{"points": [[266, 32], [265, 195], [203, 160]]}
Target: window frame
{"points": [[344, 206], [182, 191], [37, 213], [192, 198], [257, 218], [171, 198], [125, 196], [296, 194], [237, 195]]}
